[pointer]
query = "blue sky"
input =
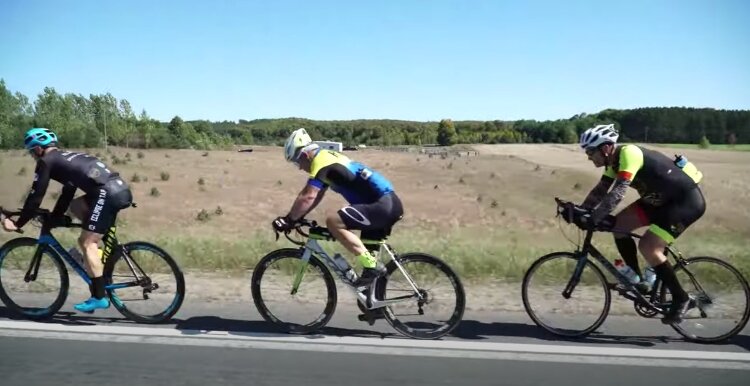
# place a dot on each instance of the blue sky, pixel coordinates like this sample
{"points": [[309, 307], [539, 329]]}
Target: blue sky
{"points": [[408, 59]]}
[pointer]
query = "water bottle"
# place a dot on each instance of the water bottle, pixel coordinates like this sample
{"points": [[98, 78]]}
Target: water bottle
{"points": [[680, 160], [341, 262], [76, 255], [626, 271], [649, 276]]}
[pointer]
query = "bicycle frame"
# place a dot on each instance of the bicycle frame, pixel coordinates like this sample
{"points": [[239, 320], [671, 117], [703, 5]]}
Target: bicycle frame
{"points": [[312, 249], [111, 245], [632, 294]]}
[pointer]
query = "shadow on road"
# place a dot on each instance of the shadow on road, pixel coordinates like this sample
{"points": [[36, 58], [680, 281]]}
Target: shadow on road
{"points": [[467, 330], [472, 330], [202, 324]]}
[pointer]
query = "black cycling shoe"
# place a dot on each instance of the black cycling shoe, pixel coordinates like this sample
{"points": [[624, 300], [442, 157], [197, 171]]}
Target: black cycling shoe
{"points": [[369, 275], [677, 311]]}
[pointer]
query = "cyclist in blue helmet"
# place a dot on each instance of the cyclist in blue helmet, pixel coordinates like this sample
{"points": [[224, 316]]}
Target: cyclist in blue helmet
{"points": [[106, 194]]}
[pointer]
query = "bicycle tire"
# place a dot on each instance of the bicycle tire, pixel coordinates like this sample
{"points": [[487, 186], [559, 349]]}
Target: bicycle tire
{"points": [[265, 312], [35, 313], [121, 305], [403, 327], [738, 327], [566, 332]]}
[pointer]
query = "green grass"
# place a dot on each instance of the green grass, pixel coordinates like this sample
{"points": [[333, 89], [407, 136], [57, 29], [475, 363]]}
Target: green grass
{"points": [[738, 147]]}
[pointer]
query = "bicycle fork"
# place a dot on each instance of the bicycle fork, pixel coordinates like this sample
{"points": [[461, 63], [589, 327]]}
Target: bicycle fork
{"points": [[576, 278]]}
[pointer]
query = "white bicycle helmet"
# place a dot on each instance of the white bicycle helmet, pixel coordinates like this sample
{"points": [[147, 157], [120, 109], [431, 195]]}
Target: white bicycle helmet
{"points": [[297, 140], [598, 135]]}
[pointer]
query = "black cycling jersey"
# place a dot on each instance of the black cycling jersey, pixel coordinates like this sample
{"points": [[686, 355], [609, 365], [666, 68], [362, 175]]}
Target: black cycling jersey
{"points": [[73, 170], [654, 175]]}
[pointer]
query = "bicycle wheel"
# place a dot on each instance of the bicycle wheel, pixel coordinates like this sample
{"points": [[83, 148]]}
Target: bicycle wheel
{"points": [[543, 285], [722, 300], [443, 300], [144, 283], [301, 312], [37, 299]]}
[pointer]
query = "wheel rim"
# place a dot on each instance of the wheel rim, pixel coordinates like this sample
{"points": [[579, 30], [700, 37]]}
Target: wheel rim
{"points": [[308, 309], [41, 297], [722, 306], [442, 302], [580, 314], [159, 293]]}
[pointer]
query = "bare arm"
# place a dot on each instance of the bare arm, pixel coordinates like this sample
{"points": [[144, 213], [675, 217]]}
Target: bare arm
{"points": [[307, 200]]}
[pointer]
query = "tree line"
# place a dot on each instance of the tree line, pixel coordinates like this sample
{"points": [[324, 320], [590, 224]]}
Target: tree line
{"points": [[101, 118]]}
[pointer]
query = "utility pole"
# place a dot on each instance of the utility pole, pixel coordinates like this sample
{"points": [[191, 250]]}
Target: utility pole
{"points": [[105, 130]]}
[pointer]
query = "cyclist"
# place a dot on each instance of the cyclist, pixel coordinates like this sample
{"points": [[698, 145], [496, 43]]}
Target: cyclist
{"points": [[106, 194], [373, 205], [670, 201]]}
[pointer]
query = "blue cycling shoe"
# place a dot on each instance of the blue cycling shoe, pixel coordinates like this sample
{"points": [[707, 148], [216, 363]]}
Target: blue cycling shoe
{"points": [[92, 304]]}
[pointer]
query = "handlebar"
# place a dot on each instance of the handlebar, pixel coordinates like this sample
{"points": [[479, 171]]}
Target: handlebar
{"points": [[574, 214], [45, 217], [298, 227]]}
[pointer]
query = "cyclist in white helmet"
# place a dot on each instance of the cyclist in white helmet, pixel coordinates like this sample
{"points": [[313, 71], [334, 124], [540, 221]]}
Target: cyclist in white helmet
{"points": [[670, 201], [373, 206]]}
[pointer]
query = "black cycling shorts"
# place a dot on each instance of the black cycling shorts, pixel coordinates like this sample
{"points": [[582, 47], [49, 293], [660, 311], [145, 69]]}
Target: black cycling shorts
{"points": [[376, 219], [668, 221], [104, 205]]}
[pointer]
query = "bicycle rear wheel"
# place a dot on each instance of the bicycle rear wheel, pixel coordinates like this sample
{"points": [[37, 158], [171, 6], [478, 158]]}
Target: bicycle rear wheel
{"points": [[145, 284], [721, 300], [303, 311], [442, 302], [542, 292], [37, 299]]}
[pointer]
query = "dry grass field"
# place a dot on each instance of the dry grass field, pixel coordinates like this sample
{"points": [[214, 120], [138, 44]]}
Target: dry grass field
{"points": [[489, 216]]}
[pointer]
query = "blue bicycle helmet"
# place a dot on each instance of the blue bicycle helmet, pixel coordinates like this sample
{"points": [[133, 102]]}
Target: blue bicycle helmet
{"points": [[39, 136]]}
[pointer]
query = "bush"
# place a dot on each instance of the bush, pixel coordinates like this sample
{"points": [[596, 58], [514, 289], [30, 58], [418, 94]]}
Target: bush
{"points": [[218, 211], [22, 171], [164, 176], [704, 143], [201, 181], [203, 216], [140, 155], [155, 192], [135, 178]]}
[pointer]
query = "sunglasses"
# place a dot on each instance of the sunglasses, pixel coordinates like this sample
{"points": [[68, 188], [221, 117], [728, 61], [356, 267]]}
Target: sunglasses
{"points": [[591, 151]]}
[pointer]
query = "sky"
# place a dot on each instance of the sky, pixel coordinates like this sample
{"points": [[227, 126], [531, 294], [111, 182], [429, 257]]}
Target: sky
{"points": [[386, 59]]}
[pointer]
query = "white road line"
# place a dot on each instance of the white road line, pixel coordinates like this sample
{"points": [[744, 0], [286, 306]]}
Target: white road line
{"points": [[321, 343]]}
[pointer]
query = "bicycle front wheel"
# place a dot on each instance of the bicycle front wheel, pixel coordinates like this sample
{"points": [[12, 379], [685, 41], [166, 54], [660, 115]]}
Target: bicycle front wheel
{"points": [[298, 296], [145, 284], [437, 305], [721, 300], [41, 297], [580, 314]]}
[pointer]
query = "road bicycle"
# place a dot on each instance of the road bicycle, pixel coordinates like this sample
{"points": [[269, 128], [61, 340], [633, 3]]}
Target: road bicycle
{"points": [[297, 283], [143, 282], [567, 294]]}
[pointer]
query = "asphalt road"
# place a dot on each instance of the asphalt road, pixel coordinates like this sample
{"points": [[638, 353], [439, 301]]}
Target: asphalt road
{"points": [[230, 344]]}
